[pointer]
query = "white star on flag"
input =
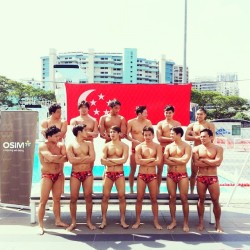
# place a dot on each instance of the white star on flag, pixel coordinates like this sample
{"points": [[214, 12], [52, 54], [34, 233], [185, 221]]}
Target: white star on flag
{"points": [[108, 102], [93, 102], [96, 111], [101, 97], [106, 112]]}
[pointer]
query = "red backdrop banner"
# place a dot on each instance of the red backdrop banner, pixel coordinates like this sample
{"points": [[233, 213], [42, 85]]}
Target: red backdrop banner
{"points": [[154, 96]]}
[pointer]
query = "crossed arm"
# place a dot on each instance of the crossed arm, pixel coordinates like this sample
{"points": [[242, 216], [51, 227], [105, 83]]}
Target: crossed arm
{"points": [[49, 157], [173, 161], [73, 159], [148, 162], [114, 161], [204, 162]]}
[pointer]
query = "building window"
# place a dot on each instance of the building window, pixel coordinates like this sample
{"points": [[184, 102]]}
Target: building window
{"points": [[236, 129]]}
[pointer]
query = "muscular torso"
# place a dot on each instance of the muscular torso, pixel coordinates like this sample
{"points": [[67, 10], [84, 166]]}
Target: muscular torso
{"points": [[50, 167], [81, 150], [177, 151], [165, 128], [136, 130], [115, 151], [110, 121], [207, 153], [88, 121], [49, 122], [197, 127], [57, 123], [147, 152]]}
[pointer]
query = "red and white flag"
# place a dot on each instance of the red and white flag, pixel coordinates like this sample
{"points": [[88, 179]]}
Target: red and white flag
{"points": [[154, 96]]}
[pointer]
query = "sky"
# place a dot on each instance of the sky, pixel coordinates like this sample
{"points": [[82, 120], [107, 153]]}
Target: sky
{"points": [[218, 37]]}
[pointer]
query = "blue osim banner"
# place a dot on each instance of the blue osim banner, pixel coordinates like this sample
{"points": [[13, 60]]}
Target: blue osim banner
{"points": [[18, 131]]}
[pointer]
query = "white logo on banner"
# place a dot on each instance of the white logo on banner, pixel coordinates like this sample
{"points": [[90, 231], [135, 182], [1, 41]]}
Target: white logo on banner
{"points": [[14, 146]]}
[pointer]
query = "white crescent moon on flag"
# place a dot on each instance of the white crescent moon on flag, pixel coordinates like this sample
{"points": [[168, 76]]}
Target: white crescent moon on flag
{"points": [[84, 95]]}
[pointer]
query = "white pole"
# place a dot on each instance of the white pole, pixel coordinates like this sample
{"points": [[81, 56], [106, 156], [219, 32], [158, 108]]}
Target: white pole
{"points": [[184, 73]]}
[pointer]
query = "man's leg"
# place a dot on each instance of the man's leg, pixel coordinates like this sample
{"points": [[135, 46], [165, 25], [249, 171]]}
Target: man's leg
{"points": [[46, 185], [120, 186], [141, 186], [201, 189], [56, 193], [153, 191], [132, 172], [214, 190], [107, 186], [183, 187], [74, 194], [88, 190], [171, 185]]}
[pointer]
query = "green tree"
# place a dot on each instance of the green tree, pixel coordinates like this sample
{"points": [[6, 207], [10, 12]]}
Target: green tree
{"points": [[5, 86], [241, 115], [18, 91], [219, 106]]}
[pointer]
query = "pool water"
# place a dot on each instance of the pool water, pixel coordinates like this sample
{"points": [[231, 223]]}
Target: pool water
{"points": [[98, 171]]}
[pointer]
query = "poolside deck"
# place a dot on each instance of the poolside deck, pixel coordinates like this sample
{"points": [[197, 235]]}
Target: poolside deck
{"points": [[16, 232]]}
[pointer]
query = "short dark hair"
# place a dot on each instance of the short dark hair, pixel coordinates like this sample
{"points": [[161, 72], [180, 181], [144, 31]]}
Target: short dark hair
{"points": [[54, 107], [169, 107], [116, 128], [202, 109], [52, 130], [83, 103], [148, 128], [140, 109], [114, 102], [78, 127], [209, 131], [178, 130]]}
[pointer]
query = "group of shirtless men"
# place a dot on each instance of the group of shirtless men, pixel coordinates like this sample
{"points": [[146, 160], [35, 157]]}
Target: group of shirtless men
{"points": [[150, 156]]}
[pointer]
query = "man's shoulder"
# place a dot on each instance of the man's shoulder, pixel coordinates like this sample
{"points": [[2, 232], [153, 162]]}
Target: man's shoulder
{"points": [[74, 119], [186, 144], [92, 118], [210, 124], [121, 117], [42, 144], [124, 144], [45, 122], [218, 147], [103, 116], [176, 123], [64, 121], [132, 120]]}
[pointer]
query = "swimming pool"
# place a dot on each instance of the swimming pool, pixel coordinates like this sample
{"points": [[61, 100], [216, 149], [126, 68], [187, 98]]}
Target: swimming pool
{"points": [[98, 171]]}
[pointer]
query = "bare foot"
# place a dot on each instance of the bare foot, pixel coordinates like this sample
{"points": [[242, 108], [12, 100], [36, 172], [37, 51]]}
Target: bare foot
{"points": [[71, 227], [200, 227], [61, 224], [103, 225], [219, 229], [41, 230], [158, 226], [124, 225], [185, 228], [91, 226], [136, 225], [171, 226]]}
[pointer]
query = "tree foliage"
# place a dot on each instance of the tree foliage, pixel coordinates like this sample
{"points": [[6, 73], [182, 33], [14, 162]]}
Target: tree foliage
{"points": [[220, 106], [13, 92]]}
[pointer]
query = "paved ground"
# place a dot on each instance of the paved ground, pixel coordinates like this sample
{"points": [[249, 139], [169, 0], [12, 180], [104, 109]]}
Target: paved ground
{"points": [[16, 232]]}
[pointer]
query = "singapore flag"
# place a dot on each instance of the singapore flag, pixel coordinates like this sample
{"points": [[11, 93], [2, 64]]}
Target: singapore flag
{"points": [[154, 96]]}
